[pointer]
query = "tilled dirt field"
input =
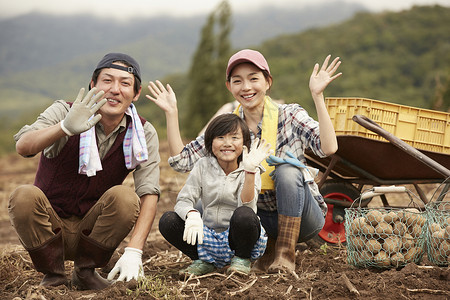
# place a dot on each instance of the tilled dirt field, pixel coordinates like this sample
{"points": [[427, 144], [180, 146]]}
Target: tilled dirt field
{"points": [[321, 273]]}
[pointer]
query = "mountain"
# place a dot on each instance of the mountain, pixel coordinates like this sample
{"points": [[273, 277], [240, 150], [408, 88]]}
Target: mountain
{"points": [[46, 57], [400, 57]]}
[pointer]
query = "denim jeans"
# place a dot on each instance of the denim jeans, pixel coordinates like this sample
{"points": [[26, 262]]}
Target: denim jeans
{"points": [[294, 199]]}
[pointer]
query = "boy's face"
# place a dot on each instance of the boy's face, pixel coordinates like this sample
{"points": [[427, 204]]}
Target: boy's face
{"points": [[228, 148]]}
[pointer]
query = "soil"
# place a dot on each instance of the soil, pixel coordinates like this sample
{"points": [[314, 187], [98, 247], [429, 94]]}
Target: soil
{"points": [[321, 272]]}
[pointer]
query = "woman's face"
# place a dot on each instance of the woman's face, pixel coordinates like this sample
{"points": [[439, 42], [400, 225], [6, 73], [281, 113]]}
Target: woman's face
{"points": [[248, 85], [227, 148]]}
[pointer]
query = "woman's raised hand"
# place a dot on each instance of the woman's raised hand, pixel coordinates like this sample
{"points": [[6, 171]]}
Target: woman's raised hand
{"points": [[320, 78], [163, 96]]}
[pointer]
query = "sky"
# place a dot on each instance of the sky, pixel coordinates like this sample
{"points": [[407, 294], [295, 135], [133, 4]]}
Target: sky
{"points": [[125, 9]]}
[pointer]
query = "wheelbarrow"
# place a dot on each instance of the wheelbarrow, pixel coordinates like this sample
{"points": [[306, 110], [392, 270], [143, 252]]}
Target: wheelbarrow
{"points": [[361, 162]]}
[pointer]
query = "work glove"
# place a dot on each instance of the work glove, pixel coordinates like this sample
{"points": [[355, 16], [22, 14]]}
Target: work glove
{"points": [[251, 160], [193, 228], [309, 173], [129, 265], [275, 160], [79, 119]]}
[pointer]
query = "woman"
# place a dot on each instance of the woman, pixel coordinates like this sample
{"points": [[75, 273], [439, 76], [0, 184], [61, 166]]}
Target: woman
{"points": [[290, 210]]}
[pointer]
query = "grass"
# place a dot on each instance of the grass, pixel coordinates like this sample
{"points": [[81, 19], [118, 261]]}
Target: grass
{"points": [[154, 286]]}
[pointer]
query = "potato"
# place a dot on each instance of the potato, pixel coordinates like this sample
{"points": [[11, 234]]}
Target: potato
{"points": [[408, 215], [407, 241], [368, 230], [434, 256], [444, 249], [359, 243], [373, 246], [382, 259], [421, 220], [440, 255], [412, 209], [436, 238], [391, 217], [412, 254], [383, 230], [447, 232], [357, 224], [447, 221], [439, 234], [392, 244], [361, 258], [433, 227], [415, 231], [399, 228], [410, 219], [397, 260], [374, 217]]}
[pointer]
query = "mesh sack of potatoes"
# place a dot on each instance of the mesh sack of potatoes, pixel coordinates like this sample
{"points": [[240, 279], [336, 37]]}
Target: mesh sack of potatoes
{"points": [[438, 233], [384, 237]]}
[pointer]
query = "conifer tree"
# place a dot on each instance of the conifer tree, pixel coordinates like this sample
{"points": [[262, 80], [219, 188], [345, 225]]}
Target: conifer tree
{"points": [[206, 91]]}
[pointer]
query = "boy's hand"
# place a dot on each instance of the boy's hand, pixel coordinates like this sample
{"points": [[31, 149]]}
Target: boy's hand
{"points": [[251, 160], [193, 228]]}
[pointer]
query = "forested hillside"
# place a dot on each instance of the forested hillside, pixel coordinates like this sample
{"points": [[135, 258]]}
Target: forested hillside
{"points": [[396, 57], [401, 57]]}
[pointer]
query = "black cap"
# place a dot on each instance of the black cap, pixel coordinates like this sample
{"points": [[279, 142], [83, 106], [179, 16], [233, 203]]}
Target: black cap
{"points": [[109, 59]]}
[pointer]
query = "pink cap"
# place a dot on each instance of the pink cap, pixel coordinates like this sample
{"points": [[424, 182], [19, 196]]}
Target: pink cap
{"points": [[247, 55]]}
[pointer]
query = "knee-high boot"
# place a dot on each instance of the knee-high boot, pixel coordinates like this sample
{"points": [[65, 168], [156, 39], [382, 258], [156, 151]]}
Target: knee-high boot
{"points": [[288, 232], [48, 258], [263, 263], [90, 255]]}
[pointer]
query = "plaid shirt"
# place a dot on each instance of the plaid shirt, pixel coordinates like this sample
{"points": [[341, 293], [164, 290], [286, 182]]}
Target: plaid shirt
{"points": [[297, 131]]}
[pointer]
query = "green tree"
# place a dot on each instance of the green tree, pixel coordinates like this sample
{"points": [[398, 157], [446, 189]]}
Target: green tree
{"points": [[206, 91]]}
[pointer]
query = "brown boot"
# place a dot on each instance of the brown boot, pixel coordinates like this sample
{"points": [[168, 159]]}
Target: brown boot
{"points": [[48, 258], [288, 232], [263, 263], [90, 255]]}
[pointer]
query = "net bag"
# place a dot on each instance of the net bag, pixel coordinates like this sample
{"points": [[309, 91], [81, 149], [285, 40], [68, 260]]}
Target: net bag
{"points": [[384, 237], [438, 233]]}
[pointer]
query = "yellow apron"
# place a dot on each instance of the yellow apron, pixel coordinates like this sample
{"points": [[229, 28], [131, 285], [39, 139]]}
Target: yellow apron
{"points": [[269, 133]]}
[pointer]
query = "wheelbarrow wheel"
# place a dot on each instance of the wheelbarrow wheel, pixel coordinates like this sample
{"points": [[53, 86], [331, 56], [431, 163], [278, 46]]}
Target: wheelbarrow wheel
{"points": [[333, 231]]}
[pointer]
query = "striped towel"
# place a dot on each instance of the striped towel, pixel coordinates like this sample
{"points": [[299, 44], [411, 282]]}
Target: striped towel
{"points": [[134, 147]]}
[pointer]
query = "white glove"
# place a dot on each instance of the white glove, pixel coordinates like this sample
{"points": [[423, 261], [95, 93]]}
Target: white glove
{"points": [[129, 265], [78, 119], [193, 228], [251, 160]]}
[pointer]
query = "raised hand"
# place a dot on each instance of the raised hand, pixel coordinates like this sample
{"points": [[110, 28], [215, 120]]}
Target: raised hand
{"points": [[320, 78], [163, 96], [251, 160], [78, 119]]}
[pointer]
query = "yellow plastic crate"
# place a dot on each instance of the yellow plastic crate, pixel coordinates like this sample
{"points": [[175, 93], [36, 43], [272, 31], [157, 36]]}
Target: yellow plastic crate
{"points": [[421, 128]]}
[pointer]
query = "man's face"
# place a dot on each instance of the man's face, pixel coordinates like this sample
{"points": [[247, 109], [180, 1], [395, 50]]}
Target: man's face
{"points": [[118, 86]]}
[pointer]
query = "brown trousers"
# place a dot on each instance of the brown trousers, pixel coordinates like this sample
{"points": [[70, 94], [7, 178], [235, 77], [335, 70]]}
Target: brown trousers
{"points": [[109, 220]]}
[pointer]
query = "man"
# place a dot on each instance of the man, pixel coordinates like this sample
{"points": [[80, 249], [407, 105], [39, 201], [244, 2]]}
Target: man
{"points": [[78, 208]]}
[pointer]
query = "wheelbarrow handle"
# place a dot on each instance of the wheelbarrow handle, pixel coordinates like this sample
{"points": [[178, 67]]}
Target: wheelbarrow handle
{"points": [[380, 190], [372, 126]]}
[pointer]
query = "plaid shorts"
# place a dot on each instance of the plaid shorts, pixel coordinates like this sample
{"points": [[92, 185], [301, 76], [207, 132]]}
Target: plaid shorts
{"points": [[216, 250]]}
